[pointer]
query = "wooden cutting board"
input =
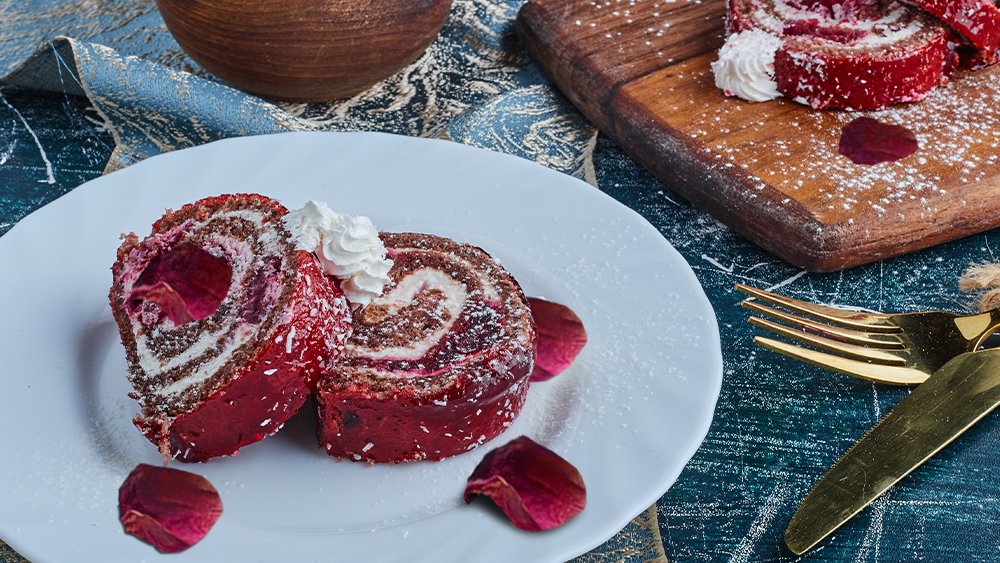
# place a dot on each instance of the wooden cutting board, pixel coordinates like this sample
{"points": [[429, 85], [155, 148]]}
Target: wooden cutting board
{"points": [[640, 70]]}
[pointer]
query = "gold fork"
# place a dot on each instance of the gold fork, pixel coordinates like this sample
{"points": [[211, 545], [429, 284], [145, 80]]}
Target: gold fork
{"points": [[901, 349]]}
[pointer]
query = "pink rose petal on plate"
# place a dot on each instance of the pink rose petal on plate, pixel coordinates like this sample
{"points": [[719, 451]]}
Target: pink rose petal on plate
{"points": [[169, 508], [867, 141], [535, 487], [561, 336], [186, 282]]}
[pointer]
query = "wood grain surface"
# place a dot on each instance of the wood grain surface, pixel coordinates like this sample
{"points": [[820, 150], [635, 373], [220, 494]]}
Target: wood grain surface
{"points": [[640, 70]]}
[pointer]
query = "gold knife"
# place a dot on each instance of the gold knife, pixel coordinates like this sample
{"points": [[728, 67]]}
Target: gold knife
{"points": [[937, 411]]}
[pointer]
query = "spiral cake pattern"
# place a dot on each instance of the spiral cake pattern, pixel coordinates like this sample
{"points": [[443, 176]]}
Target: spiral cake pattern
{"points": [[437, 365], [210, 386]]}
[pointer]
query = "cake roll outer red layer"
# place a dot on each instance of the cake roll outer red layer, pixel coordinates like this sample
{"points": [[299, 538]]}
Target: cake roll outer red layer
{"points": [[977, 21], [829, 67], [407, 426], [270, 388], [865, 83], [435, 406]]}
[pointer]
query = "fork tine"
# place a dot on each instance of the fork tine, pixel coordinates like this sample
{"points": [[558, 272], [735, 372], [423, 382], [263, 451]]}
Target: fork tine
{"points": [[880, 340], [879, 373], [858, 352], [843, 317]]}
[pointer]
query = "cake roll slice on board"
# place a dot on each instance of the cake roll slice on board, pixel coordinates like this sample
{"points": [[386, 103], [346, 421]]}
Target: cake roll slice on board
{"points": [[976, 21], [856, 55]]}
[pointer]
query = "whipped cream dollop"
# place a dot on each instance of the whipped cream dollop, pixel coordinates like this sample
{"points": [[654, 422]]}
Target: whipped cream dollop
{"points": [[347, 246], [746, 66]]}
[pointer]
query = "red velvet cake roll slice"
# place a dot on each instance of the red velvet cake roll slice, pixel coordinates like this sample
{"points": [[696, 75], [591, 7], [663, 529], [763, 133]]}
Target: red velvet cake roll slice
{"points": [[977, 21], [437, 365], [854, 55], [209, 383]]}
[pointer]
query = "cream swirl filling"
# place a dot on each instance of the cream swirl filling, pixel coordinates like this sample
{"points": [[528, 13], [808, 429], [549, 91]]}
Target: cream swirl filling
{"points": [[211, 349], [402, 295]]}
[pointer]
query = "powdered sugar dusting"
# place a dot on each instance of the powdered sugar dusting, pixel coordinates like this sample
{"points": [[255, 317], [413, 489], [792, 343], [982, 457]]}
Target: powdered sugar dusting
{"points": [[641, 339], [798, 156]]}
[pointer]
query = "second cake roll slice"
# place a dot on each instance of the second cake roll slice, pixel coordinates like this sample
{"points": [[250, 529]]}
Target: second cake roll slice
{"points": [[436, 366]]}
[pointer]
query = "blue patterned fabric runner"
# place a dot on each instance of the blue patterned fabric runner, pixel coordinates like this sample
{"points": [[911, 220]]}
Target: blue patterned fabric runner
{"points": [[155, 99]]}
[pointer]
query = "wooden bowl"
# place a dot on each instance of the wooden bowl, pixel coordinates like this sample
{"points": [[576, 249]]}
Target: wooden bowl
{"points": [[304, 50]]}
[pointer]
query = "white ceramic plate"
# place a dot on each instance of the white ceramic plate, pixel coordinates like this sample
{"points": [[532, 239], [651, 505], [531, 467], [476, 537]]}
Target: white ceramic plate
{"points": [[628, 414]]}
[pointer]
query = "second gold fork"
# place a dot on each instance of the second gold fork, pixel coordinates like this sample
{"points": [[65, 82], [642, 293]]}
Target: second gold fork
{"points": [[898, 349]]}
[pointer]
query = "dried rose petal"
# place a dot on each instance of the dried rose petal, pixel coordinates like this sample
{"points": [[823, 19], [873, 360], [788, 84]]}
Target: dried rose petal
{"points": [[561, 336], [186, 282], [867, 141], [169, 508], [535, 488]]}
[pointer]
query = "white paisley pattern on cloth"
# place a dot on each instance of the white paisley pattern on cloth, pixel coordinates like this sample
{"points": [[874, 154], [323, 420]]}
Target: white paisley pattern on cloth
{"points": [[156, 99]]}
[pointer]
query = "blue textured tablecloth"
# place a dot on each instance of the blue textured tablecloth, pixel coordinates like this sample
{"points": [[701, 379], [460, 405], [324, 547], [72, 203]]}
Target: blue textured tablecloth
{"points": [[121, 90]]}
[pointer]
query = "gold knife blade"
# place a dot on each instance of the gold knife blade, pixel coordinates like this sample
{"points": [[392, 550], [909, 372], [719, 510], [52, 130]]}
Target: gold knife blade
{"points": [[937, 411]]}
